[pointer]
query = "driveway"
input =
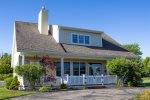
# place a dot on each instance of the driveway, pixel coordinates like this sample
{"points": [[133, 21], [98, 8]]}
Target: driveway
{"points": [[88, 94]]}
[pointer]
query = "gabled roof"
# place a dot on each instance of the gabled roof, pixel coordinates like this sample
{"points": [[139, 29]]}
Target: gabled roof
{"points": [[28, 38]]}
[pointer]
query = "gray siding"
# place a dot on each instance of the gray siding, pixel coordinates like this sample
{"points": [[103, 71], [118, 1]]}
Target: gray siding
{"points": [[65, 37]]}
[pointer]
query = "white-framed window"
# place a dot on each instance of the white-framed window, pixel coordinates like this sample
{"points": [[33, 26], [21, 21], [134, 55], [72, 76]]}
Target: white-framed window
{"points": [[79, 68], [80, 39], [74, 38]]}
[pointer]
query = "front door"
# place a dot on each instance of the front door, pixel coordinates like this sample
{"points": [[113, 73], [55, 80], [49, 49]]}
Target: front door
{"points": [[95, 69]]}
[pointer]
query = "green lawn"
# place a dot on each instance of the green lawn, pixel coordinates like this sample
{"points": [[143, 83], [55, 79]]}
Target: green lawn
{"points": [[5, 93], [146, 82]]}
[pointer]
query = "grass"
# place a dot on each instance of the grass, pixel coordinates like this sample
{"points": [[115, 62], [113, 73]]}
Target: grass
{"points": [[146, 82], [5, 93]]}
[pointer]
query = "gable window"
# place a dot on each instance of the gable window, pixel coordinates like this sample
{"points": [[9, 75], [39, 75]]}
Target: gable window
{"points": [[87, 40], [75, 38], [80, 39]]}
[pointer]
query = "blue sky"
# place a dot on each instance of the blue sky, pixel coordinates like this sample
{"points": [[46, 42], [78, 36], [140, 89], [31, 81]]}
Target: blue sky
{"points": [[127, 21]]}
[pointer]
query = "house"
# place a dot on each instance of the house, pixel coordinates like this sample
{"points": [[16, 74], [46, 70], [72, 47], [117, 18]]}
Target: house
{"points": [[80, 55]]}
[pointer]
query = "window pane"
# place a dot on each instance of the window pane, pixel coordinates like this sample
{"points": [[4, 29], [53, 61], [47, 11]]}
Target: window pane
{"points": [[75, 68], [67, 68], [81, 39], [82, 68], [58, 69], [75, 38], [87, 40]]}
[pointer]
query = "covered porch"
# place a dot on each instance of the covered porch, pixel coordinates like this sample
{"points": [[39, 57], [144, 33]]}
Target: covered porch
{"points": [[77, 71]]}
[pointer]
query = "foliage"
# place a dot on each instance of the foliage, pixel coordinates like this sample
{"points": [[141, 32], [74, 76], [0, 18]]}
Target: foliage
{"points": [[7, 82], [135, 48], [14, 84], [49, 66], [6, 94], [126, 70], [130, 84], [45, 89], [147, 65], [119, 83], [63, 86], [5, 65], [31, 73], [4, 76], [143, 96], [146, 82]]}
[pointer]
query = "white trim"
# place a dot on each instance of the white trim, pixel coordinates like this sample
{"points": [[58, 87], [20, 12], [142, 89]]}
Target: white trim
{"points": [[72, 55], [23, 59], [71, 68], [81, 29], [62, 67]]}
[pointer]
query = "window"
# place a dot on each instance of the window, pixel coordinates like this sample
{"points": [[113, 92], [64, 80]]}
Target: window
{"points": [[75, 38], [79, 68], [82, 68], [87, 40], [76, 68], [58, 69], [67, 68], [80, 39]]}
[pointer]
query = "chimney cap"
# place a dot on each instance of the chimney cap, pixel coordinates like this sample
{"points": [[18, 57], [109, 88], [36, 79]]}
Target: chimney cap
{"points": [[43, 8]]}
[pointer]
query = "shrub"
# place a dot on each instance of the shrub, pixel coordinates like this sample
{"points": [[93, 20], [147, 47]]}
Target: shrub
{"points": [[45, 89], [143, 96], [4, 76], [5, 65], [119, 83], [14, 84], [126, 70], [7, 82], [63, 86], [31, 73], [130, 84]]}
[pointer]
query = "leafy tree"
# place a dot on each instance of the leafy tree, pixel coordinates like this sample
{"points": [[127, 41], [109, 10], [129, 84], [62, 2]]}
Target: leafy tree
{"points": [[147, 65], [31, 73], [126, 70], [5, 64], [135, 48]]}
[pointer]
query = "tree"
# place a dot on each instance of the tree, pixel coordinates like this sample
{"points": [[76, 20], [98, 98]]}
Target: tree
{"points": [[31, 73], [147, 65], [5, 64], [126, 70], [135, 48]]}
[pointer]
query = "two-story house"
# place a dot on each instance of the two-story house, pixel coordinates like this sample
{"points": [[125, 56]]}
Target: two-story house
{"points": [[78, 53]]}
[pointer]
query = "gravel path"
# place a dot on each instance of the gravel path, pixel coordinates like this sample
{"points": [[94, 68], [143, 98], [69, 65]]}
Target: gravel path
{"points": [[88, 94]]}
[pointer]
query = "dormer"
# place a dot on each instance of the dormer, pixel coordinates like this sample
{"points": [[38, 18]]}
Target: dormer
{"points": [[77, 36]]}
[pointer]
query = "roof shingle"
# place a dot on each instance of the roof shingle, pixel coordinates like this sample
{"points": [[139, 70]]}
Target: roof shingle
{"points": [[28, 38]]}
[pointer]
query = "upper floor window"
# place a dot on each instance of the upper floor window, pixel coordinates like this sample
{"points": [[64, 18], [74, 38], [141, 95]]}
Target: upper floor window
{"points": [[75, 38], [80, 39], [87, 40]]}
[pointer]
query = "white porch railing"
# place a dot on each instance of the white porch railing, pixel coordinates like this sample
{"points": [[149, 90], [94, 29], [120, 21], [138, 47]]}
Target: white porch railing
{"points": [[90, 80]]}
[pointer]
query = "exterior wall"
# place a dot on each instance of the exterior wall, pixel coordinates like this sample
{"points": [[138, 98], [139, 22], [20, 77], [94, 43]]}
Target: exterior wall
{"points": [[33, 60], [55, 32], [65, 36]]}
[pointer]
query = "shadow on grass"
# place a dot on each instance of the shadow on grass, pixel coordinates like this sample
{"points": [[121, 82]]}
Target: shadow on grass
{"points": [[146, 84]]}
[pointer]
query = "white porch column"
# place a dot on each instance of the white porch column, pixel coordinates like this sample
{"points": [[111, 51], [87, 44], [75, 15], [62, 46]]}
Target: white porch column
{"points": [[23, 58], [62, 67], [106, 67]]}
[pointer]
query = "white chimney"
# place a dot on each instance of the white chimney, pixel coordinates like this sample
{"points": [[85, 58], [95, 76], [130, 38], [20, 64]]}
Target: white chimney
{"points": [[43, 21]]}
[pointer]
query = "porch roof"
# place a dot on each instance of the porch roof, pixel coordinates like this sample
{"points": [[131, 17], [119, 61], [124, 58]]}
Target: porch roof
{"points": [[28, 38]]}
